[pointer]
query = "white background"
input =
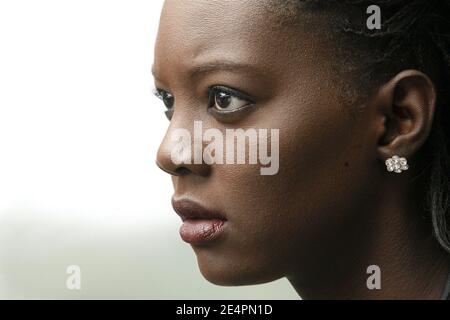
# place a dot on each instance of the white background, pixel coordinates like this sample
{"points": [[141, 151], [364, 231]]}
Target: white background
{"points": [[79, 130]]}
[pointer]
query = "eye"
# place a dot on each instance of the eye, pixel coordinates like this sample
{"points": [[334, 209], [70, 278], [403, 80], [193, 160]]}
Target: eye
{"points": [[168, 99], [226, 100]]}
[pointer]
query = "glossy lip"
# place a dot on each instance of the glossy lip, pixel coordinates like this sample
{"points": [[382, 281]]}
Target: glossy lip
{"points": [[191, 210], [200, 225]]}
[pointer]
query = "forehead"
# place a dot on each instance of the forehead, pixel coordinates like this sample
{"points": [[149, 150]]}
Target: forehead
{"points": [[193, 33], [199, 21], [197, 30]]}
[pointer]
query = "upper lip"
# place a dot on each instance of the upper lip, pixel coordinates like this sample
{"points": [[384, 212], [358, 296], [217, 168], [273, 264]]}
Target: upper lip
{"points": [[188, 209]]}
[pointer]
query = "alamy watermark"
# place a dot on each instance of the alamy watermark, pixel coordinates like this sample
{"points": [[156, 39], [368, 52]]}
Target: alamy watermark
{"points": [[374, 280], [73, 281], [236, 146], [374, 20]]}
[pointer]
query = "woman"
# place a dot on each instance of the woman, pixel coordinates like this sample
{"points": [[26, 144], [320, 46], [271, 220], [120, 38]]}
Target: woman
{"points": [[359, 208]]}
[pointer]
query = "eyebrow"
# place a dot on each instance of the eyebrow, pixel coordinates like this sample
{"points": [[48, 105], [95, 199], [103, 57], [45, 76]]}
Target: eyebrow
{"points": [[214, 66], [222, 65]]}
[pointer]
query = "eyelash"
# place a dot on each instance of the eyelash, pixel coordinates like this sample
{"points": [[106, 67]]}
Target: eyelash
{"points": [[212, 91], [162, 94]]}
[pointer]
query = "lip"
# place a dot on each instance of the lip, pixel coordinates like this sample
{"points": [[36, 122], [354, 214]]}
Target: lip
{"points": [[200, 225]]}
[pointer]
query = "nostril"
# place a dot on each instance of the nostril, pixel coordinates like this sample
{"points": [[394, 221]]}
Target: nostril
{"points": [[165, 163], [182, 171], [160, 166]]}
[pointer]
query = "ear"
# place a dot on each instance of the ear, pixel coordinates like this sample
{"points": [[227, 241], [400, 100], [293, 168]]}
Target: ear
{"points": [[406, 104]]}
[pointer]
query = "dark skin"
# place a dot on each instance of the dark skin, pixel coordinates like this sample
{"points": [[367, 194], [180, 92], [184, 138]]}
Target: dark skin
{"points": [[333, 209]]}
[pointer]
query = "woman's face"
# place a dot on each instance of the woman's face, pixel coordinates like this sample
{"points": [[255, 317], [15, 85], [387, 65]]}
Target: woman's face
{"points": [[308, 213]]}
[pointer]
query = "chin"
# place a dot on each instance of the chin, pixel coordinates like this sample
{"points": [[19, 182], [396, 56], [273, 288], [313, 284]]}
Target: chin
{"points": [[233, 271]]}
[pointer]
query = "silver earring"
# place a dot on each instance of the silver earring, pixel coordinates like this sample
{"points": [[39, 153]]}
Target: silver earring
{"points": [[397, 164]]}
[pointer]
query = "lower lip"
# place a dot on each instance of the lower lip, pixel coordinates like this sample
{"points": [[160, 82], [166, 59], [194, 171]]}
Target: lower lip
{"points": [[201, 231]]}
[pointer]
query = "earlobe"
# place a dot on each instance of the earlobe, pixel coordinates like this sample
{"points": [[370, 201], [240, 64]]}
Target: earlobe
{"points": [[407, 103]]}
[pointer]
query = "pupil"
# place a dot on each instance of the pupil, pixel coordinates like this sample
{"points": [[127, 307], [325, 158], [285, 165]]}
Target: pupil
{"points": [[223, 99]]}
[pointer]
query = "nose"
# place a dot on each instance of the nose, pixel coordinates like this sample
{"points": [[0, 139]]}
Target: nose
{"points": [[184, 163]]}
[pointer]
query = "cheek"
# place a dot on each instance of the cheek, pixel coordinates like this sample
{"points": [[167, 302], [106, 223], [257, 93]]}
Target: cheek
{"points": [[320, 170]]}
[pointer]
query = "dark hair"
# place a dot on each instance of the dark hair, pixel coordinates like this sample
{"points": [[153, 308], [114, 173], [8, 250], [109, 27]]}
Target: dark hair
{"points": [[415, 34]]}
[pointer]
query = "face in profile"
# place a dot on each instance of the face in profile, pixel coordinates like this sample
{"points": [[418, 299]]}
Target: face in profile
{"points": [[235, 65]]}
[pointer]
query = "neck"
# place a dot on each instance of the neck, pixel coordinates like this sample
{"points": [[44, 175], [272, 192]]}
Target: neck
{"points": [[393, 235]]}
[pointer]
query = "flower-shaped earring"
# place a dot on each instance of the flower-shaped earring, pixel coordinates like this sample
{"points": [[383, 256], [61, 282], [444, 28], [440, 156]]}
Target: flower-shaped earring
{"points": [[397, 164]]}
